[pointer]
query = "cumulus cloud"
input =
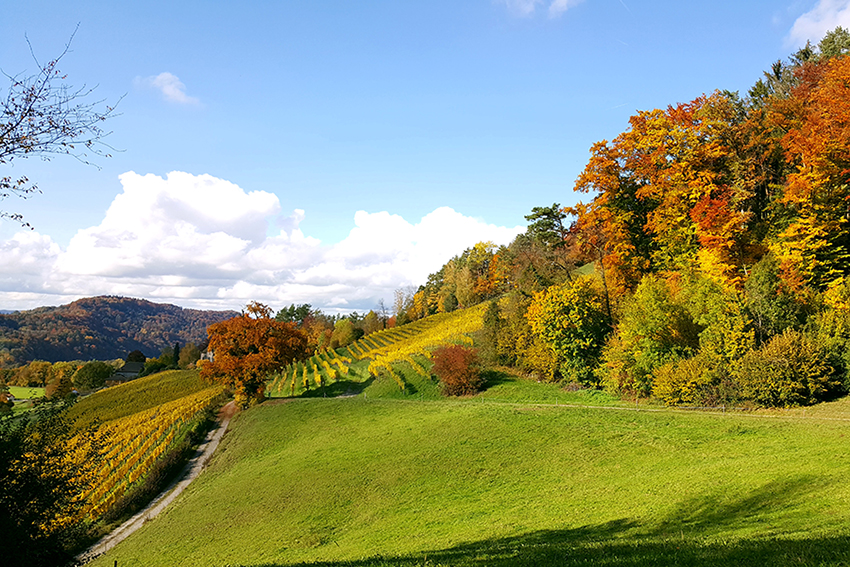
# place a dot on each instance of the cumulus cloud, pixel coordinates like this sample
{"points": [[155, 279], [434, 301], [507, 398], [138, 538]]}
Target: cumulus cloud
{"points": [[825, 16], [199, 241], [171, 87]]}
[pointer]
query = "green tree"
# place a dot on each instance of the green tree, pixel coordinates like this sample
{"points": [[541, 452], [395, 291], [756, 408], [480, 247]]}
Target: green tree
{"points": [[136, 356], [654, 329], [92, 375], [189, 355]]}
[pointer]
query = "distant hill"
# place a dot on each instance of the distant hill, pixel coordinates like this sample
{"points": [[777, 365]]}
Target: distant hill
{"points": [[100, 328]]}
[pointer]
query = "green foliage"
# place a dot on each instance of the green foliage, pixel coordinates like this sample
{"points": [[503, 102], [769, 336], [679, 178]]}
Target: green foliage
{"points": [[136, 356], [457, 368], [344, 333], [771, 305], [92, 375], [189, 355], [789, 370], [572, 321], [654, 329]]}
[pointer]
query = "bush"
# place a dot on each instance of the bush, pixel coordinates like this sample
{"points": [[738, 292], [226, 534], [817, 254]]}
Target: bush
{"points": [[789, 370], [457, 368]]}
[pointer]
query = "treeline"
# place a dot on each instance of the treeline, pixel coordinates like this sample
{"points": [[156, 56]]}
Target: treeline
{"points": [[101, 328], [332, 331], [713, 255]]}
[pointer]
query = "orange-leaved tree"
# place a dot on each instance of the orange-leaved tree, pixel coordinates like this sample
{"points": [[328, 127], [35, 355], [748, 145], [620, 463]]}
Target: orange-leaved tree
{"points": [[247, 348]]}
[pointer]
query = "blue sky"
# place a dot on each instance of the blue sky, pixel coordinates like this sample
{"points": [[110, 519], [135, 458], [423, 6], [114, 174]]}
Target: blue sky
{"points": [[330, 152]]}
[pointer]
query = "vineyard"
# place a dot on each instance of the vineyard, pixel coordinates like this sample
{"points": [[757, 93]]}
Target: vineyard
{"points": [[381, 354], [136, 424]]}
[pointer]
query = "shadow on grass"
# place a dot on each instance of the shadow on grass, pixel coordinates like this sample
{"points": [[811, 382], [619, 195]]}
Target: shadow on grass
{"points": [[493, 378], [697, 533], [337, 389]]}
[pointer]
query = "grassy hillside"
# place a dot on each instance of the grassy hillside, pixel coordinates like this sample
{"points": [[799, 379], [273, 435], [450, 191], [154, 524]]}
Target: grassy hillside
{"points": [[475, 482]]}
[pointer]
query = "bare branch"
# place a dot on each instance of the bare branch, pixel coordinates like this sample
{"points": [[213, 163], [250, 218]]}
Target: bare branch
{"points": [[43, 116]]}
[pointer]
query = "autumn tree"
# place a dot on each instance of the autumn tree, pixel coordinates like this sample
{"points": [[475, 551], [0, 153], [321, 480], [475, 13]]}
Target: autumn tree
{"points": [[45, 464], [573, 322], [247, 348]]}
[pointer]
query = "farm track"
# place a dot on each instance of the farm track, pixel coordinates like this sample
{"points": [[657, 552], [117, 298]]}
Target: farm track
{"points": [[193, 468]]}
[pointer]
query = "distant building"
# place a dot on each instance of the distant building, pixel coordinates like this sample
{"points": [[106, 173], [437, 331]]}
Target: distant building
{"points": [[130, 371]]}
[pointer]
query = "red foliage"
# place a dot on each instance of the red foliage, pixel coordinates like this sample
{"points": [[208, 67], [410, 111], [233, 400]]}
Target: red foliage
{"points": [[457, 368]]}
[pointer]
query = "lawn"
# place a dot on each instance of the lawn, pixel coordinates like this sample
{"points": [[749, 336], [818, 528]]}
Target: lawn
{"points": [[491, 480]]}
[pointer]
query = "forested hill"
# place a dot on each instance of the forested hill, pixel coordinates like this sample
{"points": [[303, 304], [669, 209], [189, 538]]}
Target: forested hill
{"points": [[100, 328]]}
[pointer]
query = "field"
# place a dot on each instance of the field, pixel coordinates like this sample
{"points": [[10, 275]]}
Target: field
{"points": [[412, 480], [23, 393]]}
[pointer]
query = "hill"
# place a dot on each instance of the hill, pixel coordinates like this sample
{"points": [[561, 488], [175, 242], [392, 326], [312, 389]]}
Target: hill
{"points": [[379, 482], [390, 474], [101, 328]]}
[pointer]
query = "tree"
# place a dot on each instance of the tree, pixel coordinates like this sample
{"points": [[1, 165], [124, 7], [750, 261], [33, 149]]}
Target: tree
{"points": [[43, 116], [136, 356], [247, 348], [44, 466], [92, 375], [572, 320], [189, 355]]}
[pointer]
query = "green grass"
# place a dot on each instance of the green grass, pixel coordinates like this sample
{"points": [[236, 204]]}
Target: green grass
{"points": [[488, 480], [135, 396], [23, 393]]}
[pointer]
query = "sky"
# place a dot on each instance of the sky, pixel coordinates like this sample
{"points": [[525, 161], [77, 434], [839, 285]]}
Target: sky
{"points": [[332, 152]]}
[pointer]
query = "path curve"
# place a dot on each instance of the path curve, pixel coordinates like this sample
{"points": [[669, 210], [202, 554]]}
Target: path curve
{"points": [[193, 468]]}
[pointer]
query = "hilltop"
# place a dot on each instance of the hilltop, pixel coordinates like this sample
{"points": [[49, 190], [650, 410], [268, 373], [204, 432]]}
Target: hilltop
{"points": [[101, 328]]}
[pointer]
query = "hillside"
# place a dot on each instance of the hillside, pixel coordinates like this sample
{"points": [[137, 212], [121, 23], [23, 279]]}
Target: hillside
{"points": [[100, 328], [524, 473], [376, 482]]}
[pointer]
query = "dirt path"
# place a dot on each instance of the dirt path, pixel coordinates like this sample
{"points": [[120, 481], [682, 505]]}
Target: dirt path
{"points": [[193, 469]]}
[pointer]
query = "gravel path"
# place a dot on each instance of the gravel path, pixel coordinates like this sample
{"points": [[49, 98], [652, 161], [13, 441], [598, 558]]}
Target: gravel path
{"points": [[193, 469]]}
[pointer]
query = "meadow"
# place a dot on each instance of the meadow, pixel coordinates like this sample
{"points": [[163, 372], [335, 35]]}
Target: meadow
{"points": [[410, 479]]}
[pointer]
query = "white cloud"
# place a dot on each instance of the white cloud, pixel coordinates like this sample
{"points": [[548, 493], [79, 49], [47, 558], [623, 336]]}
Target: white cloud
{"points": [[204, 242], [526, 8], [558, 7], [171, 87], [813, 25], [522, 7]]}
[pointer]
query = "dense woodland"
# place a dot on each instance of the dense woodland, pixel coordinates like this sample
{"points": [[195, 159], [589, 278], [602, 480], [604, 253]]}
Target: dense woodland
{"points": [[100, 328], [710, 263]]}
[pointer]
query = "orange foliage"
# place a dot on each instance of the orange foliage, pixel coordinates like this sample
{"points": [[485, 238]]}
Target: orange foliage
{"points": [[247, 348]]}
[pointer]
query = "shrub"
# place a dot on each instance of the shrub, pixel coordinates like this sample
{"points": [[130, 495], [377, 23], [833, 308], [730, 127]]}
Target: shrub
{"points": [[789, 370], [457, 368]]}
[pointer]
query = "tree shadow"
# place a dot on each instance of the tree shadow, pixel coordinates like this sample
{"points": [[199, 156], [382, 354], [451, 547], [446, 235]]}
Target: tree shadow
{"points": [[493, 378], [696, 534], [338, 389]]}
